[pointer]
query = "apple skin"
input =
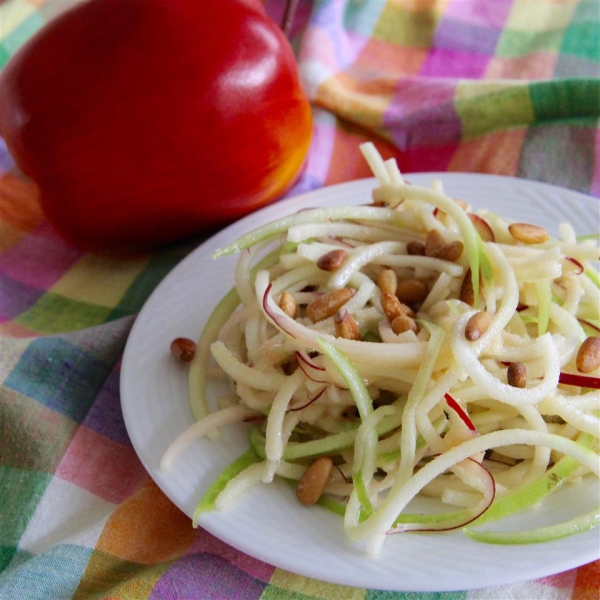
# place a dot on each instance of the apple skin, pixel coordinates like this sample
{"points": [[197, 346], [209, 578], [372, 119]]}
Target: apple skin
{"points": [[143, 122]]}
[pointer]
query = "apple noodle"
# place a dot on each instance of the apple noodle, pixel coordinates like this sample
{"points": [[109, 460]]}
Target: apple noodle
{"points": [[470, 390]]}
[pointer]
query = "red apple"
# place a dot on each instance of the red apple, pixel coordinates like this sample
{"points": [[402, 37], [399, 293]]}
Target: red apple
{"points": [[146, 121]]}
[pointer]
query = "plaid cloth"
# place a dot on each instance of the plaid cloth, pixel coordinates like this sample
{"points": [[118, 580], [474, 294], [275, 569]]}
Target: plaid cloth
{"points": [[496, 86]]}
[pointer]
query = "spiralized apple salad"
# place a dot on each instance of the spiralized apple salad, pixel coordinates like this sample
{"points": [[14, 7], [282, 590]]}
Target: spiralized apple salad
{"points": [[409, 347]]}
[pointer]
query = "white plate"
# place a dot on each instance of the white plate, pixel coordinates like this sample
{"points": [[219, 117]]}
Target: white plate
{"points": [[268, 523]]}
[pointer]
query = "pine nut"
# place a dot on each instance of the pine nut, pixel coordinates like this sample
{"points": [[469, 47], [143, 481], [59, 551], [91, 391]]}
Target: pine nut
{"points": [[528, 233], [288, 305], [467, 293], [450, 252], [415, 248], [477, 325], [392, 307], [434, 242], [313, 481], [404, 323], [411, 290], [483, 228], [333, 260], [387, 281], [516, 375], [183, 349], [588, 355], [345, 325], [328, 304]]}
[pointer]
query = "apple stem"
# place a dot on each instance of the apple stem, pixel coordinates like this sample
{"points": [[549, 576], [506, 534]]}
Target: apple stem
{"points": [[288, 16]]}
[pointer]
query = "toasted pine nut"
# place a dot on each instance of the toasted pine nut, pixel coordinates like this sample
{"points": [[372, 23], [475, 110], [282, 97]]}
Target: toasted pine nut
{"points": [[411, 290], [313, 481], [451, 251], [404, 323], [345, 325], [387, 281], [516, 375], [328, 304], [477, 325], [434, 242], [588, 355], [528, 233], [483, 228], [415, 248], [392, 307], [333, 260], [288, 305], [183, 349], [467, 293]]}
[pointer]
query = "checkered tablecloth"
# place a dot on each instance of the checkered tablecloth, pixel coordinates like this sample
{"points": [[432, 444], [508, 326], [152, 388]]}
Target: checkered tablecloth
{"points": [[496, 86]]}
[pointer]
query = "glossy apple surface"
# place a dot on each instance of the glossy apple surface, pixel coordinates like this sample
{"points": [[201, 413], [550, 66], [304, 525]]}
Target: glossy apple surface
{"points": [[146, 121]]}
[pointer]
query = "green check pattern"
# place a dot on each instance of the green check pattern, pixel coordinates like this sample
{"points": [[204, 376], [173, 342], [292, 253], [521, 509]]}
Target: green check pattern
{"points": [[509, 87]]}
